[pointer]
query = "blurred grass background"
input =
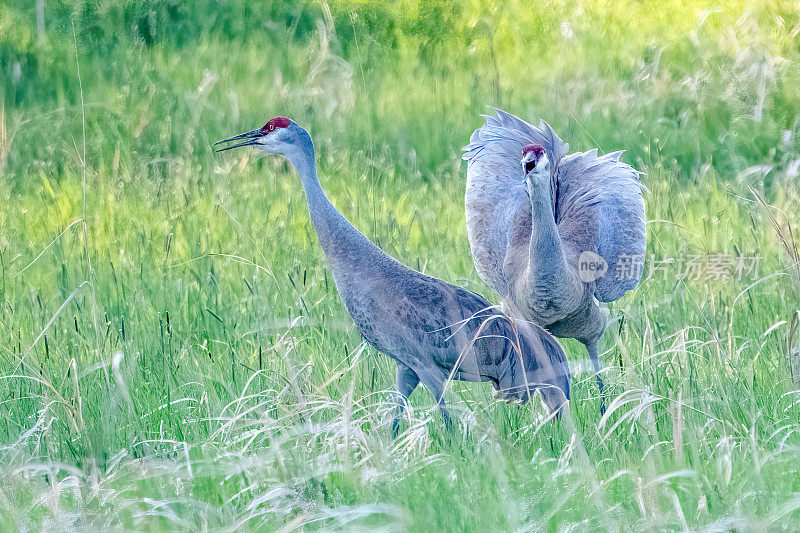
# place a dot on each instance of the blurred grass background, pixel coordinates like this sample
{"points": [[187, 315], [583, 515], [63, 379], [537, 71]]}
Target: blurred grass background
{"points": [[173, 354]]}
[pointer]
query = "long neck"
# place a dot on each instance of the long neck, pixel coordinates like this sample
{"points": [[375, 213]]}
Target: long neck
{"points": [[545, 240], [547, 261], [344, 246]]}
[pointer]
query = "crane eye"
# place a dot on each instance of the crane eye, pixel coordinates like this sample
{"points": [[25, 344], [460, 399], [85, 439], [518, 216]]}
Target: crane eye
{"points": [[271, 127]]}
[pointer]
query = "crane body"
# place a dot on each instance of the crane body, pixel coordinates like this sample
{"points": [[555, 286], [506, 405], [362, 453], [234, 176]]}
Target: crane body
{"points": [[533, 213]]}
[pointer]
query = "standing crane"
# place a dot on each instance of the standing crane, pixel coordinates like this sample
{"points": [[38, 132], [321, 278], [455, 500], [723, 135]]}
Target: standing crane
{"points": [[553, 234], [435, 331]]}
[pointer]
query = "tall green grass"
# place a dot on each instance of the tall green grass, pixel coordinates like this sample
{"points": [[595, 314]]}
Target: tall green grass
{"points": [[178, 358]]}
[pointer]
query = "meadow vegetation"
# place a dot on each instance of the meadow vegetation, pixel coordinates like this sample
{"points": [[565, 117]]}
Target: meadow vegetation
{"points": [[173, 353]]}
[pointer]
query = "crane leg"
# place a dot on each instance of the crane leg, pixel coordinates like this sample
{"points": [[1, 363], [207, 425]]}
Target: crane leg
{"points": [[407, 381], [435, 383], [591, 347]]}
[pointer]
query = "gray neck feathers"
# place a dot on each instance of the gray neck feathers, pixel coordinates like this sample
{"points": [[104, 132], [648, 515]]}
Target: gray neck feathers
{"points": [[343, 244]]}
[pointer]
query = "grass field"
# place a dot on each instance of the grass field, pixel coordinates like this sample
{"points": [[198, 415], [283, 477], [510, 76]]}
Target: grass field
{"points": [[173, 353]]}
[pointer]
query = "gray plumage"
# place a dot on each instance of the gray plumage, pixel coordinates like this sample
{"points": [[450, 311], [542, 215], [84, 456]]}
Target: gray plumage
{"points": [[434, 331], [527, 232]]}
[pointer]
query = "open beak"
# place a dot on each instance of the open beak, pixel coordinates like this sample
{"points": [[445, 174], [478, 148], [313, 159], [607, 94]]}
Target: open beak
{"points": [[248, 138], [530, 156]]}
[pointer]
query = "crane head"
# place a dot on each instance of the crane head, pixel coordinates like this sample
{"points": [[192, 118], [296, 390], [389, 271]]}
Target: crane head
{"points": [[278, 136], [534, 157]]}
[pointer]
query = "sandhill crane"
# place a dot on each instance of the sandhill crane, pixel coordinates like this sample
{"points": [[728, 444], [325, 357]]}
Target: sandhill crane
{"points": [[553, 234], [433, 330]]}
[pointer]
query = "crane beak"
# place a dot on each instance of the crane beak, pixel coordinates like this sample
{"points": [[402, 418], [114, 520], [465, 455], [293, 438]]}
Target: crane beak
{"points": [[249, 139], [530, 156]]}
